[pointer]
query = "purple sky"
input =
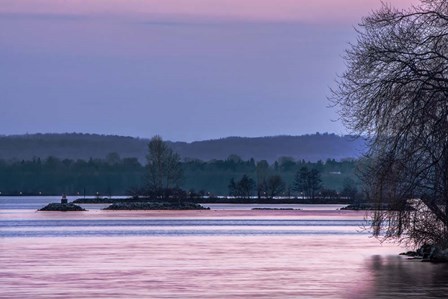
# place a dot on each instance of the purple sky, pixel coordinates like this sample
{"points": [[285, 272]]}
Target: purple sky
{"points": [[184, 69]]}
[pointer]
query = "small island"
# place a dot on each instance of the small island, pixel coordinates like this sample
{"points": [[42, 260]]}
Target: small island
{"points": [[155, 206], [62, 207], [366, 206]]}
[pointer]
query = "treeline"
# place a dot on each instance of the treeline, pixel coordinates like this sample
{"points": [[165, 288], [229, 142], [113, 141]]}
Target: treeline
{"points": [[109, 176], [284, 177], [121, 176]]}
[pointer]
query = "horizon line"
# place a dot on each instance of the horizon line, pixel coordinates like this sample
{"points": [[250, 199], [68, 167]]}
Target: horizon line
{"points": [[168, 140]]}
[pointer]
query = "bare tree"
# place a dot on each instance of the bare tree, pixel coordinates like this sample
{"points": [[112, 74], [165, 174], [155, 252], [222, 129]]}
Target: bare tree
{"points": [[243, 188], [395, 92], [164, 169], [262, 170], [307, 182], [275, 186]]}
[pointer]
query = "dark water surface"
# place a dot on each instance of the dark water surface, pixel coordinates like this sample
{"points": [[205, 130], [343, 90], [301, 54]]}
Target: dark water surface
{"points": [[205, 254]]}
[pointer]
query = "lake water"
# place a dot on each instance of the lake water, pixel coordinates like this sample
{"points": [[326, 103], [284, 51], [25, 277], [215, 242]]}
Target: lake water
{"points": [[230, 251]]}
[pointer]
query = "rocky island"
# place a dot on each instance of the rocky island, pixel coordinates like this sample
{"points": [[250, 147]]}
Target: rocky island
{"points": [[155, 206], [62, 207]]}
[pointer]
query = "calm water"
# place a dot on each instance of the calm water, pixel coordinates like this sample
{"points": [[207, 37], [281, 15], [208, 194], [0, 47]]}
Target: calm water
{"points": [[231, 252]]}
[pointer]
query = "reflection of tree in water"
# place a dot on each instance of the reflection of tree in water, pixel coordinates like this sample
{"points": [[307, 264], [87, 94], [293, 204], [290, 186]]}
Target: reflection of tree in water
{"points": [[398, 277]]}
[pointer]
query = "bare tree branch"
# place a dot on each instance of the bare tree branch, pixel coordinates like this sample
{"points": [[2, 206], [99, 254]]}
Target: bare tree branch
{"points": [[395, 92]]}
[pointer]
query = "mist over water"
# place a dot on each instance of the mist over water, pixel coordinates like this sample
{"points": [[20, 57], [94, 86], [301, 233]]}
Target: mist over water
{"points": [[205, 254]]}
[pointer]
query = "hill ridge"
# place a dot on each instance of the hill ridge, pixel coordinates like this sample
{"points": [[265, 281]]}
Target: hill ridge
{"points": [[309, 147]]}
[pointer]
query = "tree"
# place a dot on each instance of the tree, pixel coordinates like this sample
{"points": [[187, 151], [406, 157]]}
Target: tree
{"points": [[113, 158], [307, 182], [287, 163], [275, 186], [349, 189], [395, 92], [164, 168], [262, 170], [314, 182], [243, 188], [301, 181], [232, 187]]}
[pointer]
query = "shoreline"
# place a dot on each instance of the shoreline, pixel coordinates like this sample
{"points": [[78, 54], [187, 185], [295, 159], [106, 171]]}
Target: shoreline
{"points": [[213, 200]]}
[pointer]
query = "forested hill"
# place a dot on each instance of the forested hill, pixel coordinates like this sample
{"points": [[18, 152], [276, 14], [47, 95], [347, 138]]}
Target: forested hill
{"points": [[84, 146]]}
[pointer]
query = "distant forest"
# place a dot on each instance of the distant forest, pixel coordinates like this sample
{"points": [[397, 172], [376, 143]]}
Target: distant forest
{"points": [[75, 146], [114, 175], [115, 165]]}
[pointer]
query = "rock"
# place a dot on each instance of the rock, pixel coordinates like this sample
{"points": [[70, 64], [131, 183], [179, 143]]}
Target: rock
{"points": [[439, 255], [410, 253], [425, 251], [62, 207], [432, 253]]}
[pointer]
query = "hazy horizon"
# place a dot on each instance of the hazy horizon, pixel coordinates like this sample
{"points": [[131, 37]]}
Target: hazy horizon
{"points": [[187, 70], [175, 140]]}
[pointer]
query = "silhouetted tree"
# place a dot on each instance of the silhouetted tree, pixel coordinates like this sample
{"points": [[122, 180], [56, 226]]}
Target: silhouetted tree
{"points": [[262, 170], [232, 187], [275, 186], [307, 182], [315, 182], [349, 189], [395, 92], [164, 169], [301, 181], [243, 188], [287, 163]]}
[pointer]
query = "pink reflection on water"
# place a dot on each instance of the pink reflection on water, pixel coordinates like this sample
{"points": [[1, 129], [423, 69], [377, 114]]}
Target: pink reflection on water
{"points": [[187, 267], [305, 266], [201, 214]]}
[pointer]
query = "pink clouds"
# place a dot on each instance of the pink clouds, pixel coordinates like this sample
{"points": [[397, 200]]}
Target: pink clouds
{"points": [[316, 11]]}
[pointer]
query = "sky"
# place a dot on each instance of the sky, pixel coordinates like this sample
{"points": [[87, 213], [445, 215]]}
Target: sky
{"points": [[184, 69]]}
